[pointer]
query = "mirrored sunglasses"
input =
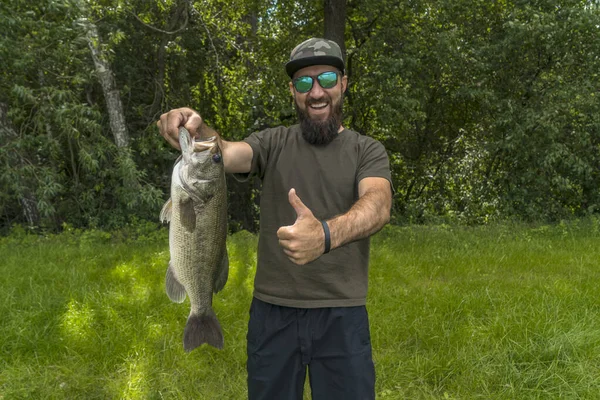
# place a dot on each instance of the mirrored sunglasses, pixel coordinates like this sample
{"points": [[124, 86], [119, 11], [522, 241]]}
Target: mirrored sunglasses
{"points": [[304, 84]]}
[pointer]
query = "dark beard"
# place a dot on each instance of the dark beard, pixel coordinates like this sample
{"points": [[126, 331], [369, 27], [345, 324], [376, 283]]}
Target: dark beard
{"points": [[320, 133]]}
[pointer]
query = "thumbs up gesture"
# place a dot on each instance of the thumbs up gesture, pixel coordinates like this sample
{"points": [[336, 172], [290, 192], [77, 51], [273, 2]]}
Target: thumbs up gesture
{"points": [[304, 241]]}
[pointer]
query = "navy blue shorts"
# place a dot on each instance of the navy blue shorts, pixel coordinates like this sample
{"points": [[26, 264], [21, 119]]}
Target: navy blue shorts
{"points": [[334, 344]]}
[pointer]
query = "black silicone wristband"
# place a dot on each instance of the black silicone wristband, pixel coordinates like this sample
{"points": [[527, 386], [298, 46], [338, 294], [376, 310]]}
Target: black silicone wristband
{"points": [[327, 237]]}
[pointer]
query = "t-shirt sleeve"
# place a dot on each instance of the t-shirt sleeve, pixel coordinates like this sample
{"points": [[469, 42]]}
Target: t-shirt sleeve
{"points": [[374, 162], [260, 142]]}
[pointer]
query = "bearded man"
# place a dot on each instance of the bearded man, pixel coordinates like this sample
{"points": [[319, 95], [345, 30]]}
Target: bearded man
{"points": [[325, 190]]}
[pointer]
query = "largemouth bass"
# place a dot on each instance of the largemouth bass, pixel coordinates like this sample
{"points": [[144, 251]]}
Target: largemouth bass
{"points": [[197, 216]]}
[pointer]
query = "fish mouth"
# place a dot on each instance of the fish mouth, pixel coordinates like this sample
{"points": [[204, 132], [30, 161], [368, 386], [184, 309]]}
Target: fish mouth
{"points": [[205, 144]]}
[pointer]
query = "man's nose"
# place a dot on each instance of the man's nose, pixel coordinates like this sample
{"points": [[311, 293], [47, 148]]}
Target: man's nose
{"points": [[316, 91]]}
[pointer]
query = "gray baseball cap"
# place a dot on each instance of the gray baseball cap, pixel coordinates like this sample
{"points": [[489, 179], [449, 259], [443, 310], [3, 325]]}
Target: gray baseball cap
{"points": [[315, 51]]}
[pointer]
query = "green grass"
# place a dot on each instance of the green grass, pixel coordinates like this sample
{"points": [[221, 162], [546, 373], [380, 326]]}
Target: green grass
{"points": [[497, 312]]}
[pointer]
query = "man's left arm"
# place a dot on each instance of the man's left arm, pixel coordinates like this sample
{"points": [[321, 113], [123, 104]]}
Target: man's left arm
{"points": [[367, 216], [304, 241]]}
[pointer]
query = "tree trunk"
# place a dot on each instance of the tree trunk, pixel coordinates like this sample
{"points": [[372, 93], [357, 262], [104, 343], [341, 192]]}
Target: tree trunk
{"points": [[335, 22], [30, 210], [115, 113], [24, 192], [109, 88]]}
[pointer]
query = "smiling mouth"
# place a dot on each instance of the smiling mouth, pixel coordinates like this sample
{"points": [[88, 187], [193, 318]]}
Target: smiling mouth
{"points": [[318, 105]]}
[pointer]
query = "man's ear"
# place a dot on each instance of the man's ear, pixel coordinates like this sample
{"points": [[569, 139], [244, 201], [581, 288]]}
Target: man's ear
{"points": [[344, 83], [292, 88]]}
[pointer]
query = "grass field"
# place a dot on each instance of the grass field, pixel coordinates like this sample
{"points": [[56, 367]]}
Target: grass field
{"points": [[496, 312]]}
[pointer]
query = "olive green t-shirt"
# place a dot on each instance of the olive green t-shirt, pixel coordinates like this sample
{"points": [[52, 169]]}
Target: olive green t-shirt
{"points": [[326, 180]]}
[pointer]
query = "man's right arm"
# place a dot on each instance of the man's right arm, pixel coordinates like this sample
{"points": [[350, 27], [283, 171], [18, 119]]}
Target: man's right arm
{"points": [[237, 156]]}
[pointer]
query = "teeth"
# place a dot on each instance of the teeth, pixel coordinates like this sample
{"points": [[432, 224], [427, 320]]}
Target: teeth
{"points": [[318, 105]]}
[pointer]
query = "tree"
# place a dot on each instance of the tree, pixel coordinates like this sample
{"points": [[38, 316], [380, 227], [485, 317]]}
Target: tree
{"points": [[109, 86], [21, 189], [487, 109], [335, 22]]}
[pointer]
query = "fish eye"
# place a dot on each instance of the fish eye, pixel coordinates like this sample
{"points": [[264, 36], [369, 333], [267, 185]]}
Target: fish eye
{"points": [[216, 158]]}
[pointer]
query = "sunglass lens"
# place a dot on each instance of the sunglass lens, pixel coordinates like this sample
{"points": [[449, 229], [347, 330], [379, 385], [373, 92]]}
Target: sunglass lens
{"points": [[327, 80], [303, 84]]}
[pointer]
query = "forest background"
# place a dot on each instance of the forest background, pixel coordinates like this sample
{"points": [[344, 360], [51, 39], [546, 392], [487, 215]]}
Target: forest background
{"points": [[489, 110]]}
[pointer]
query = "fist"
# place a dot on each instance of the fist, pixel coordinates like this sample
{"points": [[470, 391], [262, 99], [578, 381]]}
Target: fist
{"points": [[169, 124]]}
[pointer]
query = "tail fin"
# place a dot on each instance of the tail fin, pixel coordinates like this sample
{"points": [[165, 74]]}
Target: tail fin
{"points": [[200, 329]]}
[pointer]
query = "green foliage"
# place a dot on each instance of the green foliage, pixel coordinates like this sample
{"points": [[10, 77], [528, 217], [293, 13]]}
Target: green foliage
{"points": [[488, 109], [60, 151]]}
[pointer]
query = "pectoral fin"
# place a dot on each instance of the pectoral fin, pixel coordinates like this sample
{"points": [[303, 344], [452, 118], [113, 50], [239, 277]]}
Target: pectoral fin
{"points": [[222, 273], [188, 215], [175, 290], [165, 213]]}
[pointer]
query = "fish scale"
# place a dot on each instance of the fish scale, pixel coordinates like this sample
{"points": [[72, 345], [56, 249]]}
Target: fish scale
{"points": [[197, 216]]}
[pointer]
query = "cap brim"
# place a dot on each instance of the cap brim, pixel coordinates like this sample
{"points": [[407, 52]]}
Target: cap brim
{"points": [[292, 66]]}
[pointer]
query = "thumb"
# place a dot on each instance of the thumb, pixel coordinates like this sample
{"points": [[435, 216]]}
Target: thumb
{"points": [[192, 122], [301, 210]]}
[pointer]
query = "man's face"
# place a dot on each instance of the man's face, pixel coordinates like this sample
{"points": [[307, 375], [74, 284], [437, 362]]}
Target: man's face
{"points": [[319, 110]]}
